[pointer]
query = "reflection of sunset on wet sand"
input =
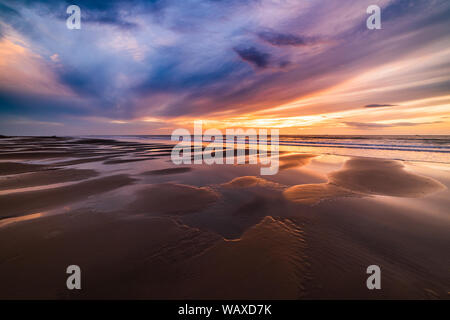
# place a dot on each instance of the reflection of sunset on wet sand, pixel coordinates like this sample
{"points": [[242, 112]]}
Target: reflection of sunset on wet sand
{"points": [[180, 232]]}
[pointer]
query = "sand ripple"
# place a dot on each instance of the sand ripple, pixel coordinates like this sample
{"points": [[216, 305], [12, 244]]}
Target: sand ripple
{"points": [[267, 262]]}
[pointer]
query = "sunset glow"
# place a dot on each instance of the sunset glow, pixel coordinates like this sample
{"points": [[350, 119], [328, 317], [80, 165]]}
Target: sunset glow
{"points": [[148, 69]]}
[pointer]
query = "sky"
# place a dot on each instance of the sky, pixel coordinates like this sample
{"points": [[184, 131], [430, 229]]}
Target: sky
{"points": [[152, 66]]}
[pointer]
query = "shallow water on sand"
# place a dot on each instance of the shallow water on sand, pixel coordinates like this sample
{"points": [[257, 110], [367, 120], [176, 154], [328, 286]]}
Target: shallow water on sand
{"points": [[141, 227]]}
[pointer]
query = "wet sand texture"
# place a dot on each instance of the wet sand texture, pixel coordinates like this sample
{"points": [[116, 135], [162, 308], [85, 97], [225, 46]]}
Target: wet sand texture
{"points": [[169, 198], [173, 240], [249, 181], [47, 177], [168, 171], [267, 262], [314, 193], [7, 168], [125, 258], [29, 202], [151, 257], [361, 177], [118, 161], [383, 177], [295, 160]]}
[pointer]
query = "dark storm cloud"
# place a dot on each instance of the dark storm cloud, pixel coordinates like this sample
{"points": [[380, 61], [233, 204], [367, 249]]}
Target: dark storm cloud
{"points": [[47, 108], [114, 12], [88, 81], [171, 74], [100, 5], [41, 107], [254, 56]]}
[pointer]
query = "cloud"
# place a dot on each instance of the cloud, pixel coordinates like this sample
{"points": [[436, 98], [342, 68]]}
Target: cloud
{"points": [[379, 105], [14, 19], [114, 13], [173, 59], [254, 56], [6, 11], [373, 125], [284, 39], [110, 18]]}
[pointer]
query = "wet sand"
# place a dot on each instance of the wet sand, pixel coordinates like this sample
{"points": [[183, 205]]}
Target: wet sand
{"points": [[294, 160], [249, 181], [168, 171], [172, 198], [384, 177], [28, 202], [141, 227], [7, 168], [42, 178], [361, 177]]}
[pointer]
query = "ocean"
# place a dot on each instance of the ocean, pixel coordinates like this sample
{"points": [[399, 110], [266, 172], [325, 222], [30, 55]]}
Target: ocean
{"points": [[429, 148]]}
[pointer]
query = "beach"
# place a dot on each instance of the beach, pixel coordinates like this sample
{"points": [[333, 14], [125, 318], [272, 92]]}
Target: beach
{"points": [[141, 227]]}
